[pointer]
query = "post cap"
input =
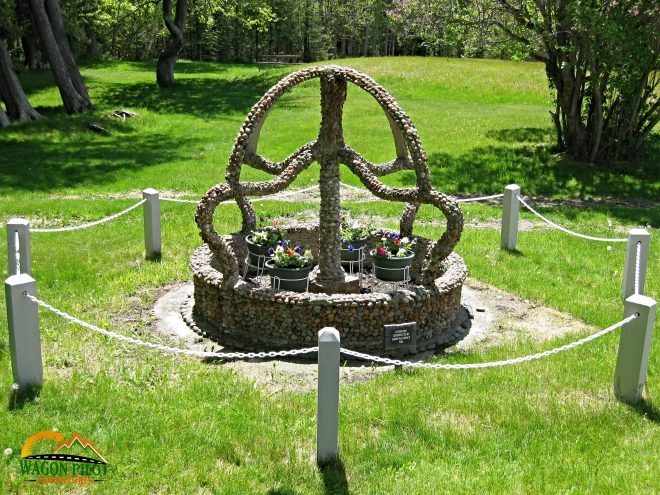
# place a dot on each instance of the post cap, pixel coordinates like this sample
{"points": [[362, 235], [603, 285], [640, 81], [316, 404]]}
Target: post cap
{"points": [[641, 300], [150, 191], [512, 187], [638, 232], [20, 279], [328, 334], [18, 221]]}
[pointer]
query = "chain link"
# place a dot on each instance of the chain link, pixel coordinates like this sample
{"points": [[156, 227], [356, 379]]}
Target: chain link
{"points": [[308, 350], [91, 224], [491, 364], [480, 198], [173, 350], [564, 229], [307, 189], [179, 200], [17, 245], [637, 263]]}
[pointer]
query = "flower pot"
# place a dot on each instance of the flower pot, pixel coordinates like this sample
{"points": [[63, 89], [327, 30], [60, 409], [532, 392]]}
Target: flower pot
{"points": [[293, 279], [391, 269], [255, 251], [354, 255]]}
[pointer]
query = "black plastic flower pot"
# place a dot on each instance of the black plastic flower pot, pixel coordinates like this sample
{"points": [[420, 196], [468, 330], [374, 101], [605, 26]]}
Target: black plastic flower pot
{"points": [[255, 251], [347, 255], [391, 269], [293, 279]]}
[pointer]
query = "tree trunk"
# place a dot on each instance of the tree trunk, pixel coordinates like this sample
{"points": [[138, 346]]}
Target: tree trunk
{"points": [[33, 55], [60, 63], [11, 91], [57, 25], [4, 120], [168, 57], [93, 48]]}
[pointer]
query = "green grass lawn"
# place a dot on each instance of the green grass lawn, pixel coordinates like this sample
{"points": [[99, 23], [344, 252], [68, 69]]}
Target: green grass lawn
{"points": [[176, 425]]}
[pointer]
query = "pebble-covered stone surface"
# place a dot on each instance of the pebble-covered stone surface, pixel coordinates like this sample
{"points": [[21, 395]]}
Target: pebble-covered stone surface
{"points": [[244, 315], [253, 317]]}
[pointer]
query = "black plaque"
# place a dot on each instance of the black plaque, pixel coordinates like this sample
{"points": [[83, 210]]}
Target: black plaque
{"points": [[400, 335]]}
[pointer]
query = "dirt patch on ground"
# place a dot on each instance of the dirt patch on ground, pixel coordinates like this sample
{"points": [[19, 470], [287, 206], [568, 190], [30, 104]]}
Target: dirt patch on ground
{"points": [[497, 317]]}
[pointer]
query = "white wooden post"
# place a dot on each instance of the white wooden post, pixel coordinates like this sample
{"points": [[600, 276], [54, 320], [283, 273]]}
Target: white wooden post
{"points": [[21, 227], [634, 345], [635, 237], [152, 238], [510, 210], [327, 422], [23, 322]]}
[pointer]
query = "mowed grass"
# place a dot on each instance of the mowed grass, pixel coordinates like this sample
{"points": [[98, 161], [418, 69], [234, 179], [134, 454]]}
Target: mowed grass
{"points": [[484, 124], [177, 425]]}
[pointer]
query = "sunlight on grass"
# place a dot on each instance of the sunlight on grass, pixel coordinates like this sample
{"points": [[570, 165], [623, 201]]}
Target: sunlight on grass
{"points": [[178, 425]]}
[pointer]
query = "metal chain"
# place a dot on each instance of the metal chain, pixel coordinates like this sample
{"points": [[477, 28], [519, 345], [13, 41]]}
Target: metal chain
{"points": [[173, 350], [298, 191], [263, 198], [308, 350], [179, 200], [637, 263], [564, 229], [491, 364], [480, 198], [348, 186], [91, 224], [17, 245]]}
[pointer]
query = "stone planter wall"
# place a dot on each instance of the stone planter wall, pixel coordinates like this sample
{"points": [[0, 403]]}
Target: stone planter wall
{"points": [[249, 317]]}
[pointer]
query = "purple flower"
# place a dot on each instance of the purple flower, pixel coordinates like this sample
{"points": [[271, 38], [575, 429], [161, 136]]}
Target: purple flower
{"points": [[271, 251], [284, 243], [261, 219], [251, 219], [350, 248], [298, 249], [394, 235]]}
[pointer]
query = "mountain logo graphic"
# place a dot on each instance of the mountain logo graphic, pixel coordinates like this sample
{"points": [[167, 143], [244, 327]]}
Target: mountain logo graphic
{"points": [[49, 457]]}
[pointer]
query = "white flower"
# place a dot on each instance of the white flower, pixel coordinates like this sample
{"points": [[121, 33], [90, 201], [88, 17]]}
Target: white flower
{"points": [[15, 386], [8, 451], [609, 248], [405, 240], [279, 249], [609, 222], [401, 253]]}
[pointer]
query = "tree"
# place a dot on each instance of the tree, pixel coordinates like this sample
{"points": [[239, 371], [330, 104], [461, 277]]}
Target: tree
{"points": [[170, 54], [601, 59], [32, 53], [48, 21], [11, 92], [4, 120]]}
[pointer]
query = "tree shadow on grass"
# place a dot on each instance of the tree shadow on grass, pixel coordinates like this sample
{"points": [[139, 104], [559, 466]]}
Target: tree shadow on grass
{"points": [[527, 159], [200, 97], [33, 160]]}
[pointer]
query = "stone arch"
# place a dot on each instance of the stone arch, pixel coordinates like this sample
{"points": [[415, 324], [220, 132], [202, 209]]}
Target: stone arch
{"points": [[329, 149]]}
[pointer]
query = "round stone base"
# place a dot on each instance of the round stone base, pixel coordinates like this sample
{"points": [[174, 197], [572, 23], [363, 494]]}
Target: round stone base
{"points": [[251, 317]]}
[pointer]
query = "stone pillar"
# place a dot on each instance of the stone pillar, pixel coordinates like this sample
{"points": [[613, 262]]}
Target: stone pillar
{"points": [[18, 229], [24, 338], [634, 347], [510, 207], [635, 237], [329, 276], [152, 233], [327, 415]]}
